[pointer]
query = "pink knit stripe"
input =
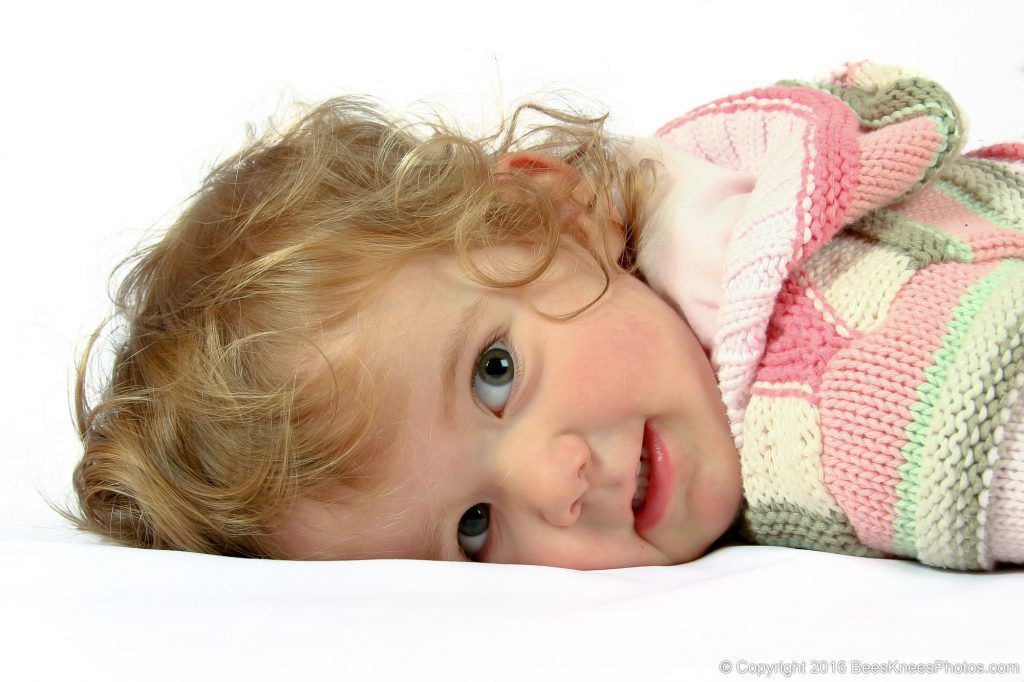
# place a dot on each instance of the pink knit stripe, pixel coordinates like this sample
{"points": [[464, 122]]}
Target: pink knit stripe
{"points": [[1006, 150], [988, 240], [800, 342], [795, 100], [868, 393], [759, 123], [936, 208], [893, 159], [800, 201], [785, 392]]}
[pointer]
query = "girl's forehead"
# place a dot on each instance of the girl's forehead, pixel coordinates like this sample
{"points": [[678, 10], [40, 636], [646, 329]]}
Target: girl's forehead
{"points": [[407, 326], [431, 297], [425, 289], [435, 283]]}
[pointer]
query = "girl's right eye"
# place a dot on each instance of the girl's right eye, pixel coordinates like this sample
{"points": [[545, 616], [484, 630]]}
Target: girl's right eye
{"points": [[473, 529], [494, 376]]}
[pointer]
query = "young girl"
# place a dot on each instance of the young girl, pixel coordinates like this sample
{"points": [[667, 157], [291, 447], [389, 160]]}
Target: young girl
{"points": [[362, 341]]}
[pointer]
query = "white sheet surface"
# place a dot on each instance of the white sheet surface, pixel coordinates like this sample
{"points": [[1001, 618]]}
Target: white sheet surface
{"points": [[170, 615], [111, 114]]}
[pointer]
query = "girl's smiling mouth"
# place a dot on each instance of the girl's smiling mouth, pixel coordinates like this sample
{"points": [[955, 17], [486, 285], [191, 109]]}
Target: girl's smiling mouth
{"points": [[654, 481]]}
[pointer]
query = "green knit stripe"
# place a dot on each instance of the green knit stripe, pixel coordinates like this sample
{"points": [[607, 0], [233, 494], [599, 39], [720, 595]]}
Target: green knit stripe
{"points": [[789, 525], [989, 189], [926, 416], [902, 99], [922, 243], [962, 445]]}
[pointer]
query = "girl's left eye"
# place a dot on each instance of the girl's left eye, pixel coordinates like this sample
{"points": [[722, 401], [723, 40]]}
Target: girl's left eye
{"points": [[473, 528], [494, 376]]}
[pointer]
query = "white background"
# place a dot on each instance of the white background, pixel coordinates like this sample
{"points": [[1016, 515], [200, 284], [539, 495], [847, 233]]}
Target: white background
{"points": [[112, 113]]}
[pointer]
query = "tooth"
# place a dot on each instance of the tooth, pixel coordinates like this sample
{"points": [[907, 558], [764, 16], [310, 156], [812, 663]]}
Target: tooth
{"points": [[639, 497]]}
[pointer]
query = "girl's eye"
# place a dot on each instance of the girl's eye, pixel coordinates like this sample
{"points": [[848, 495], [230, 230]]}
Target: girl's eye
{"points": [[473, 529], [493, 378]]}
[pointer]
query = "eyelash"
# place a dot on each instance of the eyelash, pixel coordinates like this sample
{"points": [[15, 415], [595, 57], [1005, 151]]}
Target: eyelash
{"points": [[517, 364]]}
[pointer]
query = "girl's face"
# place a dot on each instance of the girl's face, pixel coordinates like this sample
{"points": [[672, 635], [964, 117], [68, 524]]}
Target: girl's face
{"points": [[521, 437]]}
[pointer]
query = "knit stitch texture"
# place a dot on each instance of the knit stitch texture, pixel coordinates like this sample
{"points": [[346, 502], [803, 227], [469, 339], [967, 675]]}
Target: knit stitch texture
{"points": [[868, 344]]}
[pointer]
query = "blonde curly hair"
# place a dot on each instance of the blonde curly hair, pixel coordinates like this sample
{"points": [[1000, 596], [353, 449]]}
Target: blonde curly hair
{"points": [[222, 406]]}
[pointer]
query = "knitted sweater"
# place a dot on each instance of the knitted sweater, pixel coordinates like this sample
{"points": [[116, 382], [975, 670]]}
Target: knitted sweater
{"points": [[859, 287]]}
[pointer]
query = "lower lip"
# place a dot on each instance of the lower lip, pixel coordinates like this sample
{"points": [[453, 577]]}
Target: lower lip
{"points": [[660, 486]]}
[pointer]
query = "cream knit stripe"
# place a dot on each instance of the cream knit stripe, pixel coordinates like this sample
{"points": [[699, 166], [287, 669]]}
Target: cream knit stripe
{"points": [[781, 458], [867, 75], [1004, 398], [960, 450], [859, 278], [1006, 506], [928, 425]]}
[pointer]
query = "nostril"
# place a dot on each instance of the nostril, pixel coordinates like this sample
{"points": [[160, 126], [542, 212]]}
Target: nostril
{"points": [[584, 469]]}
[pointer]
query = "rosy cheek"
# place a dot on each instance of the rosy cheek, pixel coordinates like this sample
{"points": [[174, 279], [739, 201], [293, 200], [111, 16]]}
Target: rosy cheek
{"points": [[717, 494], [605, 364]]}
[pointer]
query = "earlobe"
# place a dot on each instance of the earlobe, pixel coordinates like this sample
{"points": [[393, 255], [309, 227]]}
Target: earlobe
{"points": [[571, 203]]}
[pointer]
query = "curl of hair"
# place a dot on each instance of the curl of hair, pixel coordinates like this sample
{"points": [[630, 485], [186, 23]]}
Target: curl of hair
{"points": [[222, 406]]}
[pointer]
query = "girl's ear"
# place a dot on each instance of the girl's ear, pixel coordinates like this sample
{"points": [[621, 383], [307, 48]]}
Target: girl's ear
{"points": [[572, 198]]}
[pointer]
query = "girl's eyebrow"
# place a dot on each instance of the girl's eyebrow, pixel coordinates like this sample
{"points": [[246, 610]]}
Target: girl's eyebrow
{"points": [[453, 347]]}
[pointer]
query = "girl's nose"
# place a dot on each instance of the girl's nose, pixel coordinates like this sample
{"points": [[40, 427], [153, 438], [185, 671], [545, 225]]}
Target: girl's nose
{"points": [[554, 477]]}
